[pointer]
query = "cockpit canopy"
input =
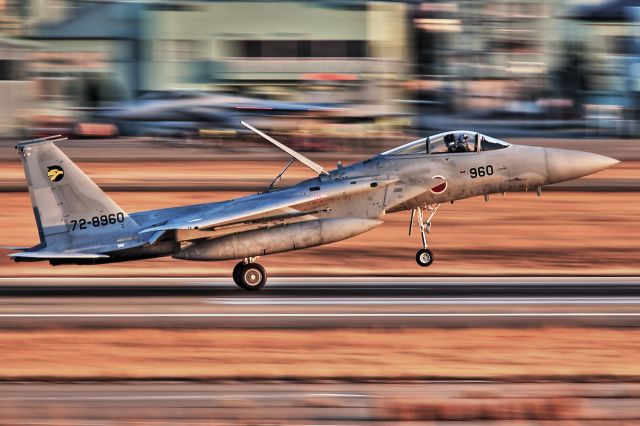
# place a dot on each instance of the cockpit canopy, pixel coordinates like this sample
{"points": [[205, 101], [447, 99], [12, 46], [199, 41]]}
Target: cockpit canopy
{"points": [[456, 142]]}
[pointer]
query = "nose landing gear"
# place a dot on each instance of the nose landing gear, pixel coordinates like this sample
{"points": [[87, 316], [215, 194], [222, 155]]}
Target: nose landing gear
{"points": [[249, 275], [424, 256]]}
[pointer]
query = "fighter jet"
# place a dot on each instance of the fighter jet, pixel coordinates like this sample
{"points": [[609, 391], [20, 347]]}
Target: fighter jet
{"points": [[163, 113], [79, 224]]}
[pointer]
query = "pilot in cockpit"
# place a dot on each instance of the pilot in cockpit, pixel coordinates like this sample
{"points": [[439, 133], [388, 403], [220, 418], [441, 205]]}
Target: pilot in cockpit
{"points": [[450, 142], [462, 145]]}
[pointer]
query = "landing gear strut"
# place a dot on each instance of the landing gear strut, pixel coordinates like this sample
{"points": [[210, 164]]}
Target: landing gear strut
{"points": [[249, 275], [424, 256]]}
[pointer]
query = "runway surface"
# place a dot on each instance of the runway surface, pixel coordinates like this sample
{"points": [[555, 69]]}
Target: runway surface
{"points": [[318, 403], [316, 302]]}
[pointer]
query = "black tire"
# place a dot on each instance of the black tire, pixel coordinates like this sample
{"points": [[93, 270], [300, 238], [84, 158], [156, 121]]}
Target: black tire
{"points": [[236, 272], [252, 277], [424, 257]]}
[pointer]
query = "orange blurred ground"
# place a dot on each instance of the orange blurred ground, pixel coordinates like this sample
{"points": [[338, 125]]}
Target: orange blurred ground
{"points": [[560, 233], [556, 353]]}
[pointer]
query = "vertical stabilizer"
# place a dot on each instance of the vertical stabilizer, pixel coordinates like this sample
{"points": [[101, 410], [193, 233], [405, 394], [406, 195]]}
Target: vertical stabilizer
{"points": [[67, 204]]}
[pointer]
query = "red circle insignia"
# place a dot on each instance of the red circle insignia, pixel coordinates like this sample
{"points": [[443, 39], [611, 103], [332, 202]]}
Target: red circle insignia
{"points": [[440, 187]]}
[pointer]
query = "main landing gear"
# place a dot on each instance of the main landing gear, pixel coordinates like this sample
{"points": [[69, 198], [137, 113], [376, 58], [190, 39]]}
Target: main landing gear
{"points": [[424, 256], [249, 275]]}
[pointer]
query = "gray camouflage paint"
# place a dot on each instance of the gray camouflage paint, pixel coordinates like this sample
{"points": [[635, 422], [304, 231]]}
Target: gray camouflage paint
{"points": [[348, 201]]}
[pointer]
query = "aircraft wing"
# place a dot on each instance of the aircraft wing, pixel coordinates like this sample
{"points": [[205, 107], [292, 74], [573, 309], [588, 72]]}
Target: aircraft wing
{"points": [[269, 206], [255, 105], [209, 114], [237, 211], [227, 114], [275, 205]]}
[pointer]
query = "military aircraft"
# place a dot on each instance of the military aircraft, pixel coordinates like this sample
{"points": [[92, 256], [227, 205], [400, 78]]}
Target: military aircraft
{"points": [[80, 224], [186, 112]]}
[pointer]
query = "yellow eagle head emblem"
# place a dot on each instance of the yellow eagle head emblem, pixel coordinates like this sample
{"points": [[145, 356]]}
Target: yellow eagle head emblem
{"points": [[55, 173]]}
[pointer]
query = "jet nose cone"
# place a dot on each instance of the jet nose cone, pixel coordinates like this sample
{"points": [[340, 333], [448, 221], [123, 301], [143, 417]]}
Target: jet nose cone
{"points": [[565, 164]]}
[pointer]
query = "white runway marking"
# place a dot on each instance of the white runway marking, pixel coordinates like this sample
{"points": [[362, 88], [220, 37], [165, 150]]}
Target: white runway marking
{"points": [[326, 315], [420, 301]]}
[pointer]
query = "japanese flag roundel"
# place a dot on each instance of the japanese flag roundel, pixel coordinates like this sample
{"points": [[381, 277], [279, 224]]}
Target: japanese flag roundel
{"points": [[440, 186]]}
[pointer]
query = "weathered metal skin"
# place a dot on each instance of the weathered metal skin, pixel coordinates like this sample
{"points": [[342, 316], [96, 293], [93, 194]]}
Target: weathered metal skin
{"points": [[78, 223], [277, 239]]}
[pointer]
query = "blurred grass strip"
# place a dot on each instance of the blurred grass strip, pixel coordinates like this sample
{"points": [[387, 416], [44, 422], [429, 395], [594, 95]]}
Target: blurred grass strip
{"points": [[544, 353]]}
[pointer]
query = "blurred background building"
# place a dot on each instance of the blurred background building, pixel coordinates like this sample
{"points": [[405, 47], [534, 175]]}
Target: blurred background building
{"points": [[551, 67]]}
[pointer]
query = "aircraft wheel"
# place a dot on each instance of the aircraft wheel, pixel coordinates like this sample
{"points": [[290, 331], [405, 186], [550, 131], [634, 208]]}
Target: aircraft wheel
{"points": [[252, 277], [424, 257], [236, 272]]}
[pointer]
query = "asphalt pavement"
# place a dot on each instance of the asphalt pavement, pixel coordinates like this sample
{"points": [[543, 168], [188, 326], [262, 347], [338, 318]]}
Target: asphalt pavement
{"points": [[320, 302], [479, 402]]}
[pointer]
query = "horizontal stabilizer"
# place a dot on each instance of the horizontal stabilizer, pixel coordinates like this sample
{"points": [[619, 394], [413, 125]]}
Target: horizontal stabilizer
{"points": [[57, 255]]}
